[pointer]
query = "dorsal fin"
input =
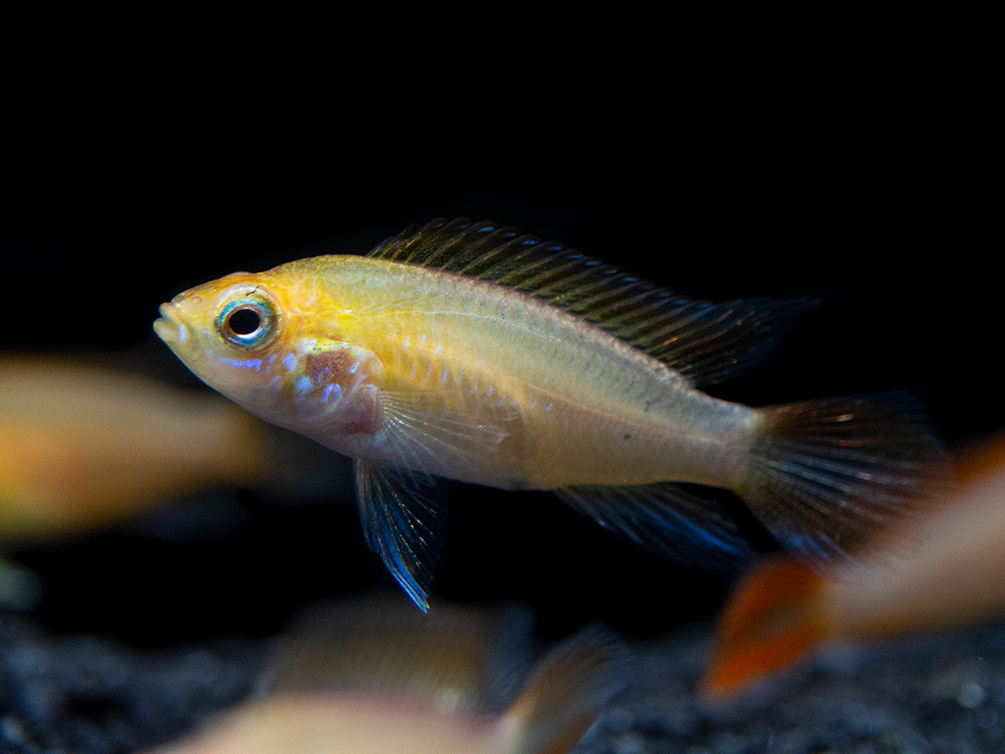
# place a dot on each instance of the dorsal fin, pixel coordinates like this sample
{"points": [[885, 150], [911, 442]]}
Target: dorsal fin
{"points": [[706, 342]]}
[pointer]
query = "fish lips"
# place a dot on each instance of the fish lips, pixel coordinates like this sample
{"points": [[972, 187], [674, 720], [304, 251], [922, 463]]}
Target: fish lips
{"points": [[169, 326]]}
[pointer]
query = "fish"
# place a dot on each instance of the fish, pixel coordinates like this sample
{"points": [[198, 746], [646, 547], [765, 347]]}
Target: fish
{"points": [[473, 352], [949, 576], [84, 446], [373, 678]]}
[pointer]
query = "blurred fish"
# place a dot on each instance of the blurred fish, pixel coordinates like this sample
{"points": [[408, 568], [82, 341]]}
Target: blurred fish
{"points": [[955, 576], [82, 447], [377, 679], [471, 352]]}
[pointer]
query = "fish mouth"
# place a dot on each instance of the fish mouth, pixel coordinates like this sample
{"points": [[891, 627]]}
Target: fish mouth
{"points": [[169, 327]]}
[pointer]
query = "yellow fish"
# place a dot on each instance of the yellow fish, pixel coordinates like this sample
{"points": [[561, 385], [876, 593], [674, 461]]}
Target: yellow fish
{"points": [[375, 679], [472, 352]]}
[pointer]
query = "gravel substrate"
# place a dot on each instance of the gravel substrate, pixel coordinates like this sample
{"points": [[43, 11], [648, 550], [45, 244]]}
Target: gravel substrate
{"points": [[922, 695]]}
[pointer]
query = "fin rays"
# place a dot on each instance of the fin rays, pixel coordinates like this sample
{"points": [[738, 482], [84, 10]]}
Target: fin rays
{"points": [[705, 342], [401, 525], [828, 476], [421, 428], [666, 517]]}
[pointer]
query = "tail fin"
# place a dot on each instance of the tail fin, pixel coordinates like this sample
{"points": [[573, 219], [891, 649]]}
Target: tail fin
{"points": [[770, 621], [562, 699], [826, 477]]}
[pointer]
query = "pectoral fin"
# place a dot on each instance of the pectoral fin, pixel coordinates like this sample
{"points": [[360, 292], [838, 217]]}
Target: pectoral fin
{"points": [[401, 524], [423, 429]]}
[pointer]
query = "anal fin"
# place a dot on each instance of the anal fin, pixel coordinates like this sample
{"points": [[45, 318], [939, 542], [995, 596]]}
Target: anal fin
{"points": [[667, 518]]}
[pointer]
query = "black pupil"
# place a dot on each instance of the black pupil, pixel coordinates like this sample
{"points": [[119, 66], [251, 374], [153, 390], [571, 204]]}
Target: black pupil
{"points": [[245, 321]]}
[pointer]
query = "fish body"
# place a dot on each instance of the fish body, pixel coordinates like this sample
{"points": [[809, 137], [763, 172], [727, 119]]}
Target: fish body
{"points": [[534, 399], [335, 725], [82, 447], [368, 680], [349, 725], [952, 576], [470, 352]]}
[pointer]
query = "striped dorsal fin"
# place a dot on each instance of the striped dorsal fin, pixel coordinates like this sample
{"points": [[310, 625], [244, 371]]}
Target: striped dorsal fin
{"points": [[705, 342]]}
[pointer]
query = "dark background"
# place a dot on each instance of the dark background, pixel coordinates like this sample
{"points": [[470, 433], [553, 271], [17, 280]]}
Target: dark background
{"points": [[877, 201]]}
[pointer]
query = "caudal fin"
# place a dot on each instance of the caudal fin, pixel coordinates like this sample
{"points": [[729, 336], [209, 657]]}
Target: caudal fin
{"points": [[827, 476], [770, 621]]}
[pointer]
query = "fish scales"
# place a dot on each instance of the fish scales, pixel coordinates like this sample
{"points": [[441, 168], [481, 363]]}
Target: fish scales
{"points": [[465, 350], [598, 410]]}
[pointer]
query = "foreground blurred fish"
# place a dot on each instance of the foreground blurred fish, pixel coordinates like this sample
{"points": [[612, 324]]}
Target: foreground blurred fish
{"points": [[372, 679], [955, 576], [471, 352]]}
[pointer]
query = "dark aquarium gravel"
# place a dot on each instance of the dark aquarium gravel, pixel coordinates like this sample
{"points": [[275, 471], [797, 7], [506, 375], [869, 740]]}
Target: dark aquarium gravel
{"points": [[937, 694]]}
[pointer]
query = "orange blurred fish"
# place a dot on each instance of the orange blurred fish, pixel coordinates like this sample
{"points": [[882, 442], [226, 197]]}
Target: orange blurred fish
{"points": [[375, 679], [82, 447], [471, 352], [781, 610]]}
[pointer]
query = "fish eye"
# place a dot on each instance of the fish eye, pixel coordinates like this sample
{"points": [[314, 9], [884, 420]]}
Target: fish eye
{"points": [[249, 318]]}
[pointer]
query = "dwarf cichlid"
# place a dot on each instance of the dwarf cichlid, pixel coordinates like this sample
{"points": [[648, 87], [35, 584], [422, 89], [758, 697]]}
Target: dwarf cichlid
{"points": [[374, 679], [472, 352]]}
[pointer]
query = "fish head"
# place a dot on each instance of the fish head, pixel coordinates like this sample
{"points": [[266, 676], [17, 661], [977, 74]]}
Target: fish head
{"points": [[271, 342]]}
